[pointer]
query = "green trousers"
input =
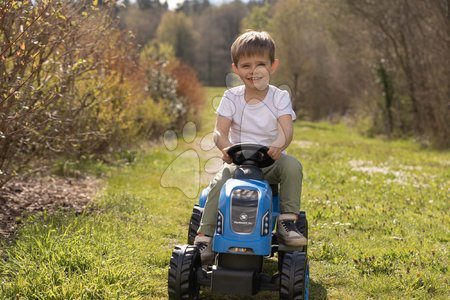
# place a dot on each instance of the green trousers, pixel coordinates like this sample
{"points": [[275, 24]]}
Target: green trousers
{"points": [[287, 171]]}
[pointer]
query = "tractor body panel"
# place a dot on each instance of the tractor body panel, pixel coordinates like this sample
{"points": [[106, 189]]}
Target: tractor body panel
{"points": [[244, 222], [203, 196]]}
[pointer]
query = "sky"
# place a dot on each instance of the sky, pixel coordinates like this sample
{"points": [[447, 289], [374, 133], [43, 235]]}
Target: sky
{"points": [[174, 3]]}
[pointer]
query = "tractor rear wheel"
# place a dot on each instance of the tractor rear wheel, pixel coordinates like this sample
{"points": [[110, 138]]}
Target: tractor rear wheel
{"points": [[302, 226], [194, 223], [182, 279]]}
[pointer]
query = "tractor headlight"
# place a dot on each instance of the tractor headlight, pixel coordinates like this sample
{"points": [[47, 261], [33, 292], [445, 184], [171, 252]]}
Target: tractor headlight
{"points": [[219, 223], [265, 224]]}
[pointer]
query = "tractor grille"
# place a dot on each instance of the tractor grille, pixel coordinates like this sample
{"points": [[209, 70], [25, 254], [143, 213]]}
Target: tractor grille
{"points": [[244, 207]]}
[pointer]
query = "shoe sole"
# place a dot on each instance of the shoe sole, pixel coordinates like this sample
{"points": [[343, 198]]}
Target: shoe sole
{"points": [[292, 243]]}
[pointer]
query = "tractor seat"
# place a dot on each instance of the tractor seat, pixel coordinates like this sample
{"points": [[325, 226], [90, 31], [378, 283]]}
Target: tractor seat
{"points": [[248, 172]]}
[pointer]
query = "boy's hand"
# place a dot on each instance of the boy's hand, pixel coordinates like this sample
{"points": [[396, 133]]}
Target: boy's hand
{"points": [[225, 157], [275, 152]]}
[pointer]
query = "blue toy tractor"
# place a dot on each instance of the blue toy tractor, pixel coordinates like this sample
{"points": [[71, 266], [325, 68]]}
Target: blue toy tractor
{"points": [[245, 235]]}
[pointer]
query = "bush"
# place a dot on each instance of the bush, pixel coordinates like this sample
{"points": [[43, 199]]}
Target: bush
{"points": [[190, 89], [72, 84]]}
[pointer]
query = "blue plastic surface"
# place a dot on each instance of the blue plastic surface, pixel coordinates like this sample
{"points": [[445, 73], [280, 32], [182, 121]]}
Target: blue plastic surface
{"points": [[256, 241], [203, 196]]}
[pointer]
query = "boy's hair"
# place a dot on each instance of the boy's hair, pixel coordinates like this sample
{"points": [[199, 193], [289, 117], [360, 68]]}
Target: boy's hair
{"points": [[253, 43]]}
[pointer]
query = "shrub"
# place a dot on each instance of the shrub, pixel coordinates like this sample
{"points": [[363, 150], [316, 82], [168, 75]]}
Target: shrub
{"points": [[190, 89], [72, 84], [155, 62]]}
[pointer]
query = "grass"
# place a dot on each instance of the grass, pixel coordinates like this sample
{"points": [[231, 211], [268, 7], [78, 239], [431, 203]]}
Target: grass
{"points": [[378, 215]]}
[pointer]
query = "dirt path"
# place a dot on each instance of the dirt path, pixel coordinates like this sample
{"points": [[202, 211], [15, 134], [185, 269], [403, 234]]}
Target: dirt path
{"points": [[24, 196]]}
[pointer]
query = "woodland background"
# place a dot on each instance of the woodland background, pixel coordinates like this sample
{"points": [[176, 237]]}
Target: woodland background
{"points": [[93, 95], [84, 79]]}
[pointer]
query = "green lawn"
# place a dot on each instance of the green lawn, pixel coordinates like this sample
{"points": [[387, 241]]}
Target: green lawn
{"points": [[378, 214]]}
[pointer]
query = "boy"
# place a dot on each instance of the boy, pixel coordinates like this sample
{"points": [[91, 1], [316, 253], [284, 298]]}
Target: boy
{"points": [[259, 113]]}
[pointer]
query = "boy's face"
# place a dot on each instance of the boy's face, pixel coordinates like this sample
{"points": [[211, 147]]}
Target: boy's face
{"points": [[255, 70]]}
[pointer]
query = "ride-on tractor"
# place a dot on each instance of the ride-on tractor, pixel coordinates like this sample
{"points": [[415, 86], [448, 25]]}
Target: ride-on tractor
{"points": [[244, 238]]}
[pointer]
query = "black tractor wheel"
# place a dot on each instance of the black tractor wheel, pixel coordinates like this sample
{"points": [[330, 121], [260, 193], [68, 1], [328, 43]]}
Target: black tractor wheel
{"points": [[194, 223], [184, 263], [294, 276], [302, 226], [274, 248]]}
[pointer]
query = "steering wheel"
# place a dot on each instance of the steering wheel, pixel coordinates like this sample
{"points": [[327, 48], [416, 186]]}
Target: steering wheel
{"points": [[250, 154]]}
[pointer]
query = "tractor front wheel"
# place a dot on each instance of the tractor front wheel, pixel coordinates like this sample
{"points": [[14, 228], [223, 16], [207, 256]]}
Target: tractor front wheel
{"points": [[182, 279]]}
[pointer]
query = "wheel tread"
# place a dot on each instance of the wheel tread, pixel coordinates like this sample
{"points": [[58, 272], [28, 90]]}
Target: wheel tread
{"points": [[194, 223], [292, 275], [184, 260]]}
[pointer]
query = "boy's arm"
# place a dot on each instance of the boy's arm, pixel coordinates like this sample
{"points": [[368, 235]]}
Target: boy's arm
{"points": [[284, 138], [221, 140]]}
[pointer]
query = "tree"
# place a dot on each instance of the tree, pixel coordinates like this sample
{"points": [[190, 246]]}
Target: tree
{"points": [[259, 18], [45, 47], [69, 84], [309, 62], [177, 30], [415, 36], [193, 7], [149, 4], [142, 20], [218, 28]]}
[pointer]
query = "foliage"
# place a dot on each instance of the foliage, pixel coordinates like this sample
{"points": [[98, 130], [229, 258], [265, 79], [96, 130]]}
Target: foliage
{"points": [[193, 6], [172, 83], [309, 60], [413, 35], [141, 20], [400, 79], [330, 53], [217, 27], [190, 89], [259, 18], [41, 59], [155, 60], [149, 4], [176, 30], [201, 34], [388, 93], [72, 84], [377, 212]]}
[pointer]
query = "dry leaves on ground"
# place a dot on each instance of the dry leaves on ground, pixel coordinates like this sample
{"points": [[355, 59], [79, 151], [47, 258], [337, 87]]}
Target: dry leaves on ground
{"points": [[24, 196]]}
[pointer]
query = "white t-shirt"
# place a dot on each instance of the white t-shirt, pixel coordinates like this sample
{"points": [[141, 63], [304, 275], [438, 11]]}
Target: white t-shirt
{"points": [[255, 123]]}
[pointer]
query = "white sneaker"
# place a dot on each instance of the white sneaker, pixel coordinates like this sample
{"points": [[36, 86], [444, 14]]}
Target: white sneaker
{"points": [[287, 231]]}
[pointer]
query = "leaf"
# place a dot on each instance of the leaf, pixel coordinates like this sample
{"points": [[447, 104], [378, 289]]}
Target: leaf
{"points": [[61, 16]]}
